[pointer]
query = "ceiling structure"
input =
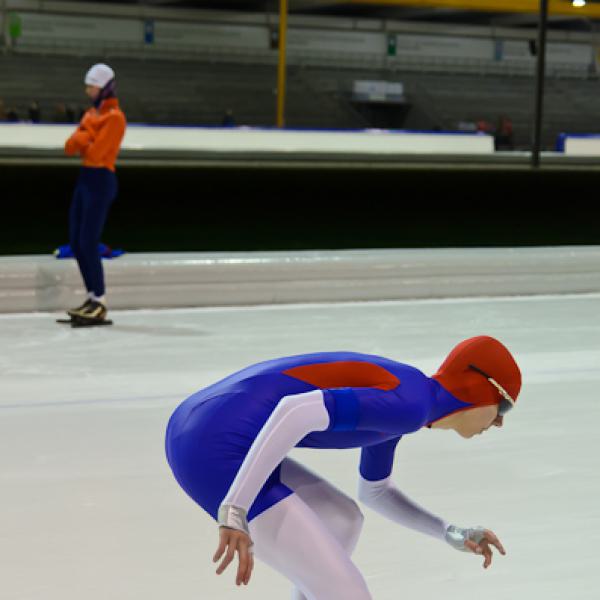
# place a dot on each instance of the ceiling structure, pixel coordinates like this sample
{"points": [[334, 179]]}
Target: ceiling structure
{"points": [[502, 13]]}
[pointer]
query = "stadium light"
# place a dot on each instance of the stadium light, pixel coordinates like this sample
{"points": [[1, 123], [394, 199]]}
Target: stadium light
{"points": [[578, 3]]}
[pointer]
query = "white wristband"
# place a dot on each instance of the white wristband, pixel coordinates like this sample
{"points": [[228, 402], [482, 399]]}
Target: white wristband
{"points": [[233, 517], [457, 536]]}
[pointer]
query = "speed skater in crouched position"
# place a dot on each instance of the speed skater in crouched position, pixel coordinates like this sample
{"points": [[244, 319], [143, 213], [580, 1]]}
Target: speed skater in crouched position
{"points": [[227, 446], [97, 140]]}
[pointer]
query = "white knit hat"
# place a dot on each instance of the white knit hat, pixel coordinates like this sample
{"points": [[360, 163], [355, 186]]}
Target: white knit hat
{"points": [[99, 75]]}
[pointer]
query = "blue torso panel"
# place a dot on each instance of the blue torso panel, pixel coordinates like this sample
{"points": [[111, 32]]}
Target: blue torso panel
{"points": [[372, 402]]}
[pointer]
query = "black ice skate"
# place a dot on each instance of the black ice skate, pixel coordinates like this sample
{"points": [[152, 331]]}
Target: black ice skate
{"points": [[75, 311], [92, 315]]}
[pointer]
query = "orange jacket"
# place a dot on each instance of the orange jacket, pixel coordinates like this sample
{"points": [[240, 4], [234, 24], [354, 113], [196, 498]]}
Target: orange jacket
{"points": [[99, 135]]}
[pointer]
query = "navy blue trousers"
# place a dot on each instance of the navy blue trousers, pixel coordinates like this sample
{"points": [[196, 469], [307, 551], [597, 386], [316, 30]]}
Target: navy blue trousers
{"points": [[94, 193]]}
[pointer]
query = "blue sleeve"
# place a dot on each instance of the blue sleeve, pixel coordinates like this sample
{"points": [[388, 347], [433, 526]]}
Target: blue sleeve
{"points": [[385, 411], [376, 462], [343, 407]]}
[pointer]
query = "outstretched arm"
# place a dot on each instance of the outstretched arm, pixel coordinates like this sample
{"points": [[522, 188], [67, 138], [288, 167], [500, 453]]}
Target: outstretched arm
{"points": [[377, 491], [386, 499]]}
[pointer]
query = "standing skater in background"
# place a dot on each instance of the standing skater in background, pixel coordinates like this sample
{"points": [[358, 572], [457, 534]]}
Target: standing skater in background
{"points": [[227, 447], [97, 140]]}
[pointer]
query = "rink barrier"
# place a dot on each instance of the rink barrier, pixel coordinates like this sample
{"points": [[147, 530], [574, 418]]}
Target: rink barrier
{"points": [[257, 141], [579, 144], [43, 283]]}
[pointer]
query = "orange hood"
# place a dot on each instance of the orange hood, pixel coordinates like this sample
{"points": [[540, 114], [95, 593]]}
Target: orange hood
{"points": [[487, 354]]}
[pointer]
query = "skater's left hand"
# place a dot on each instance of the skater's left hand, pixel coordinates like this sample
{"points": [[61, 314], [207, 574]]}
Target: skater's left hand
{"points": [[483, 547]]}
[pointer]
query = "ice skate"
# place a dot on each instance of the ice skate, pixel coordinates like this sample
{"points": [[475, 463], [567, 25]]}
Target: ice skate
{"points": [[72, 312], [94, 314]]}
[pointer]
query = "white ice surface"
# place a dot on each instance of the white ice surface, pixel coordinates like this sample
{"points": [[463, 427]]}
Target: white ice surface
{"points": [[90, 511]]}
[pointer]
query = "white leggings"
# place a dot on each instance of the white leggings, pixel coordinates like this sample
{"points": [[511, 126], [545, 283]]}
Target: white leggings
{"points": [[309, 536]]}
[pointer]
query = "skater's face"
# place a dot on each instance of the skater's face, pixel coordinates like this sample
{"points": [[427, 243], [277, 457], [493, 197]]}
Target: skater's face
{"points": [[92, 91], [477, 420]]}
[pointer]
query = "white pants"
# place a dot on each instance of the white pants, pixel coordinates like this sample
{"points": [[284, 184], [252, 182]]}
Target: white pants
{"points": [[309, 536]]}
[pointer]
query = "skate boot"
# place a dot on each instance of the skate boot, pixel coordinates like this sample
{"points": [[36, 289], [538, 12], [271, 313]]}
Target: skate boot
{"points": [[75, 311], [91, 315], [72, 312]]}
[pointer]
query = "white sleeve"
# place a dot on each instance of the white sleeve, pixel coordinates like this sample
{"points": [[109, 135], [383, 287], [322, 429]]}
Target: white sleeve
{"points": [[386, 499], [294, 417]]}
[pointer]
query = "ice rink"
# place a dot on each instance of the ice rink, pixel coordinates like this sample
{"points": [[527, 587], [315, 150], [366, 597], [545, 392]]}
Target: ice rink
{"points": [[90, 511]]}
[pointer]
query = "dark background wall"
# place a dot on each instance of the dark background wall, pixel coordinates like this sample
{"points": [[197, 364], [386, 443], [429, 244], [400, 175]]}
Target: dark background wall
{"points": [[211, 208]]}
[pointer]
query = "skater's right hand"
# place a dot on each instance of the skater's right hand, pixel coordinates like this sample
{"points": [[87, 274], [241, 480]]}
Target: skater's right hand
{"points": [[475, 539], [482, 544], [230, 541]]}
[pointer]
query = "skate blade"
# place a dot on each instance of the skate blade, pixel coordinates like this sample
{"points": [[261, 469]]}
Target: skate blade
{"points": [[64, 321], [89, 322]]}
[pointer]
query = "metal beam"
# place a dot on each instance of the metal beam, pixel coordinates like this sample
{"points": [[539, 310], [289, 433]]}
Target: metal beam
{"points": [[281, 67], [555, 7], [539, 85]]}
